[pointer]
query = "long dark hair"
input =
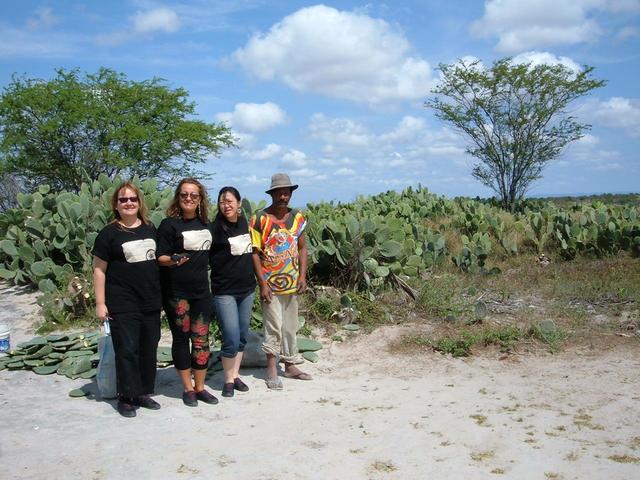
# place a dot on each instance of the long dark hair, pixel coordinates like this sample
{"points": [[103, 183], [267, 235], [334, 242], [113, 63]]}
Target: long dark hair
{"points": [[220, 218], [174, 210]]}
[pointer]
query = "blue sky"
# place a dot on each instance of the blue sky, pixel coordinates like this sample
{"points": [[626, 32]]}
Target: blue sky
{"points": [[334, 93]]}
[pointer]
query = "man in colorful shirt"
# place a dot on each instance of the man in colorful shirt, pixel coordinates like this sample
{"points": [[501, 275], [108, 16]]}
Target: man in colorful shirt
{"points": [[280, 262]]}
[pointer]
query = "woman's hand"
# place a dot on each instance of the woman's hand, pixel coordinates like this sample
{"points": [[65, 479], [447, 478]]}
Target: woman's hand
{"points": [[101, 312], [173, 260], [179, 259]]}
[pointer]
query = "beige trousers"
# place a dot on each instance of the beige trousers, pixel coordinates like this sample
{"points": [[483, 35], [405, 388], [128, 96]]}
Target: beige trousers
{"points": [[280, 321]]}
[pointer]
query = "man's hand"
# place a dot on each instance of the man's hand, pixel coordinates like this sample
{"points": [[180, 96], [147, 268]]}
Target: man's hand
{"points": [[302, 285], [265, 292]]}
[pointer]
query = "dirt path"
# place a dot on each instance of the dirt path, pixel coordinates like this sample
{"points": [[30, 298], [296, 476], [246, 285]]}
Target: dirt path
{"points": [[367, 415]]}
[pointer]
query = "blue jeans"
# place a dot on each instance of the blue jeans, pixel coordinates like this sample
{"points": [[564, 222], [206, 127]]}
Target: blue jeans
{"points": [[234, 316]]}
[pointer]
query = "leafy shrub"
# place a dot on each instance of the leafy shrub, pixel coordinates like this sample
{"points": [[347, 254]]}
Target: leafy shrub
{"points": [[367, 246]]}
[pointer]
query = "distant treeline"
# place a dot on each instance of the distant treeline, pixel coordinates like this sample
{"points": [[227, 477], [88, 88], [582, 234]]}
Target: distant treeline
{"points": [[608, 198]]}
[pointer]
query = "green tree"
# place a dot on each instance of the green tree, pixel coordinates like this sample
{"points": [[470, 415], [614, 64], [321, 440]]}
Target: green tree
{"points": [[514, 117], [62, 130]]}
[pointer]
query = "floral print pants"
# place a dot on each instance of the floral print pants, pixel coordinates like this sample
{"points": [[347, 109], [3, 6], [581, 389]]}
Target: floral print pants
{"points": [[189, 319]]}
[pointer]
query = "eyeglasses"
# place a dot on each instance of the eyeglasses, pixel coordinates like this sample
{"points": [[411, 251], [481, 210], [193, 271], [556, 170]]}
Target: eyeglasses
{"points": [[226, 202], [124, 200], [193, 195]]}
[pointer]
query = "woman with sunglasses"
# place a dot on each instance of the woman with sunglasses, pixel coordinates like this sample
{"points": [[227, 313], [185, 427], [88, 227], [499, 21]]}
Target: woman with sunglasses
{"points": [[184, 240], [127, 288], [233, 284]]}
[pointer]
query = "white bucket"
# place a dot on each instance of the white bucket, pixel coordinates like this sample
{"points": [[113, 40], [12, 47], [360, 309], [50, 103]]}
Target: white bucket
{"points": [[5, 338]]}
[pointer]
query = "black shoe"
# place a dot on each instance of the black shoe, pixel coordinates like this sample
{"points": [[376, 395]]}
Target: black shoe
{"points": [[126, 408], [227, 389], [189, 399], [206, 397], [240, 385], [145, 401]]}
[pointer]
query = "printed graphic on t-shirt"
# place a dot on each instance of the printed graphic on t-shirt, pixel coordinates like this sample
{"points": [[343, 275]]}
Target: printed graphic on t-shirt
{"points": [[139, 250], [240, 244], [278, 245], [197, 239]]}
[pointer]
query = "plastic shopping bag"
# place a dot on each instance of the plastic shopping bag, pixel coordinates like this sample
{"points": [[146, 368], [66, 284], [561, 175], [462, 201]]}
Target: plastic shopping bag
{"points": [[106, 375]]}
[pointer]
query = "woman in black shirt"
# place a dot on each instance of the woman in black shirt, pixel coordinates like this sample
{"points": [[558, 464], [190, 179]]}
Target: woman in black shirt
{"points": [[127, 289], [233, 284], [184, 240]]}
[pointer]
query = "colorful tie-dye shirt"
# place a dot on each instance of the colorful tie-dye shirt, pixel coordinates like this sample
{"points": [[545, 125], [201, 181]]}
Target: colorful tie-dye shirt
{"points": [[278, 246]]}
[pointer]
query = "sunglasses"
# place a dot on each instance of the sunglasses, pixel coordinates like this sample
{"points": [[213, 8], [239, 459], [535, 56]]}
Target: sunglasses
{"points": [[193, 195], [128, 199]]}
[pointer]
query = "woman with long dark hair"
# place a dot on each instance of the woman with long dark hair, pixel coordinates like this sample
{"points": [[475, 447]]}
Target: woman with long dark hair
{"points": [[127, 288], [184, 241], [233, 284]]}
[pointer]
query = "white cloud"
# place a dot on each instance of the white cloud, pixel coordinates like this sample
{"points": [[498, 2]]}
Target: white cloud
{"points": [[254, 117], [42, 44], [409, 143], [43, 19], [620, 6], [143, 24], [587, 140], [546, 58], [244, 140], [339, 54], [606, 167], [409, 128], [270, 151], [253, 180], [397, 160], [628, 32], [306, 173], [345, 172], [445, 150], [339, 131], [525, 24], [617, 112], [295, 158], [156, 20]]}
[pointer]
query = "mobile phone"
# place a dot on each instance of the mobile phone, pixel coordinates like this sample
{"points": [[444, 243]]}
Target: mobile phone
{"points": [[177, 256]]}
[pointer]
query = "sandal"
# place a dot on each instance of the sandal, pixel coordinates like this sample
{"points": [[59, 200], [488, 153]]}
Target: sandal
{"points": [[274, 383], [298, 376]]}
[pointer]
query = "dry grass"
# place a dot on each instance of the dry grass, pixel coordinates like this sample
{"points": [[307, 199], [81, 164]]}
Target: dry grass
{"points": [[593, 302], [385, 467], [624, 459], [572, 293], [482, 456], [585, 420], [480, 420]]}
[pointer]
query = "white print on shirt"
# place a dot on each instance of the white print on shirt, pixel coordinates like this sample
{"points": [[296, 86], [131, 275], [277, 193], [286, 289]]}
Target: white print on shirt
{"points": [[197, 239], [139, 250], [240, 244]]}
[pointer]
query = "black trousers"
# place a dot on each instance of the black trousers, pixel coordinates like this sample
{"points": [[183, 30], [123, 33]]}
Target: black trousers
{"points": [[135, 338]]}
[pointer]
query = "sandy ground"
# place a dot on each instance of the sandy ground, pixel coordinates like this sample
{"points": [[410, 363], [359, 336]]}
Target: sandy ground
{"points": [[368, 414]]}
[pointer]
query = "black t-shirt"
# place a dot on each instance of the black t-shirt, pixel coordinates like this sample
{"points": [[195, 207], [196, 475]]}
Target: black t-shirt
{"points": [[230, 259], [190, 236], [132, 279]]}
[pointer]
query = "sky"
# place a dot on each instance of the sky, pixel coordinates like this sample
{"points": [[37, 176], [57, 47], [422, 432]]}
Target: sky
{"points": [[334, 93]]}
